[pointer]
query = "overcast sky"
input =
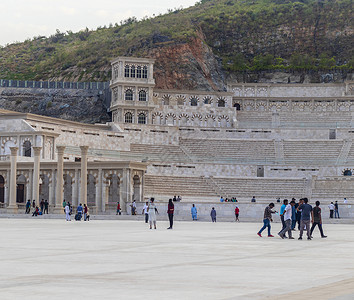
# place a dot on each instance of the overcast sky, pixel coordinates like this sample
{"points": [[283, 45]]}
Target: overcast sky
{"points": [[22, 19]]}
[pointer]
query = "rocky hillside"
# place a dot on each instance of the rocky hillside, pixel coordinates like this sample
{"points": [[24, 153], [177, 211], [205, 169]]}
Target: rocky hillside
{"points": [[202, 46], [76, 105]]}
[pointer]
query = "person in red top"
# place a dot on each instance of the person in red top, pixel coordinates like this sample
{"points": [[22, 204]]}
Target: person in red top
{"points": [[237, 212], [170, 211], [118, 209]]}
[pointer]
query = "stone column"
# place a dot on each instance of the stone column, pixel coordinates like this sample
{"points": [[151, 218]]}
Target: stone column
{"points": [[75, 189], [83, 186], [12, 207], [36, 169], [105, 192], [99, 183], [7, 187], [59, 188]]}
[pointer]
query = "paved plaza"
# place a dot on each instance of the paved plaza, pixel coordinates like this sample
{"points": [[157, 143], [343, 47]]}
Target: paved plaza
{"points": [[107, 259]]}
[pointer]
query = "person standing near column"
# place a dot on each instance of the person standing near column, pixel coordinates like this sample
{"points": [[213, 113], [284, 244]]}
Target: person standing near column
{"points": [[118, 209], [170, 212], [85, 212], [46, 205], [306, 210], [336, 211], [67, 212], [145, 212]]}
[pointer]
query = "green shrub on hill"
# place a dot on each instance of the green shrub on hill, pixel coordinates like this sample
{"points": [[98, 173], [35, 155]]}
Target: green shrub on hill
{"points": [[246, 35]]}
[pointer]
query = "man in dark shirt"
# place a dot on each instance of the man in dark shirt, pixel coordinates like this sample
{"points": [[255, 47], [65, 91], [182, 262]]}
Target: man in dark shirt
{"points": [[46, 204], [317, 219], [306, 210], [267, 219], [336, 211]]}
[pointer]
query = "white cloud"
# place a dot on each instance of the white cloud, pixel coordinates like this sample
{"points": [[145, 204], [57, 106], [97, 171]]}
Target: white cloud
{"points": [[68, 11]]}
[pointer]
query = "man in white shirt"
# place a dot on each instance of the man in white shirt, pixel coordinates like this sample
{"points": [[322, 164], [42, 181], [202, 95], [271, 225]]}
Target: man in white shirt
{"points": [[67, 212], [133, 206], [345, 201], [287, 218], [331, 210], [145, 211]]}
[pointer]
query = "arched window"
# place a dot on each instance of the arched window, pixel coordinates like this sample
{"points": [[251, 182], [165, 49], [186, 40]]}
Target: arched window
{"points": [[237, 106], [128, 117], [142, 118], [180, 101], [166, 100], [142, 95], [126, 71], [115, 71], [128, 94], [194, 101], [132, 72], [221, 103], [27, 149], [138, 72], [145, 72], [207, 100], [347, 173]]}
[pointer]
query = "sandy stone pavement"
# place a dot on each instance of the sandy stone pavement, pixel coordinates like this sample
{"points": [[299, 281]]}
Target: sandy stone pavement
{"points": [[106, 259]]}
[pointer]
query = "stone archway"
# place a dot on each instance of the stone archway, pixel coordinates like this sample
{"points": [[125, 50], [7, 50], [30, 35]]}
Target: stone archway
{"points": [[91, 190], [68, 188], [44, 188], [2, 189], [114, 190], [136, 188], [21, 189]]}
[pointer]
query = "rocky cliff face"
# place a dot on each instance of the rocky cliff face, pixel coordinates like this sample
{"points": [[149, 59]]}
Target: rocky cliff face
{"points": [[188, 66], [76, 105]]}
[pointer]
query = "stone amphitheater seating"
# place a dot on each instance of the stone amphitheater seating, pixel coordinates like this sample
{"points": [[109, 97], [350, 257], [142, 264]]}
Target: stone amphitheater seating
{"points": [[159, 153], [229, 150], [351, 154], [305, 119], [247, 119], [261, 187], [312, 152], [332, 194], [174, 185]]}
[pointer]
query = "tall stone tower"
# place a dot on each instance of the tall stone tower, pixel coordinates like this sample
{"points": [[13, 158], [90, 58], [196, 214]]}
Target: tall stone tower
{"points": [[132, 87]]}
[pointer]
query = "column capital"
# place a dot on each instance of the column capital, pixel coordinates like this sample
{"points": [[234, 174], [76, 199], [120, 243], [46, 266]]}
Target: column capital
{"points": [[84, 150], [60, 150], [37, 151], [14, 151]]}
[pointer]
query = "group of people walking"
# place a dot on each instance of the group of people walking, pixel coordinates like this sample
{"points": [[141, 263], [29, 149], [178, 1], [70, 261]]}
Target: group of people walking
{"points": [[292, 212]]}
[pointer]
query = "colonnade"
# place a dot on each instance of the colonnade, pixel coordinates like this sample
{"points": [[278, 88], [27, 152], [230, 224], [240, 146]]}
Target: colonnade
{"points": [[12, 207]]}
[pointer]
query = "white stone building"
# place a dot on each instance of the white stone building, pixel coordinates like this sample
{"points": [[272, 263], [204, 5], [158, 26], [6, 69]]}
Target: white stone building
{"points": [[263, 140]]}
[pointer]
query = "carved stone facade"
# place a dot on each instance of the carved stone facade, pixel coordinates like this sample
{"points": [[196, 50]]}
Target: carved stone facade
{"points": [[135, 101], [205, 143]]}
